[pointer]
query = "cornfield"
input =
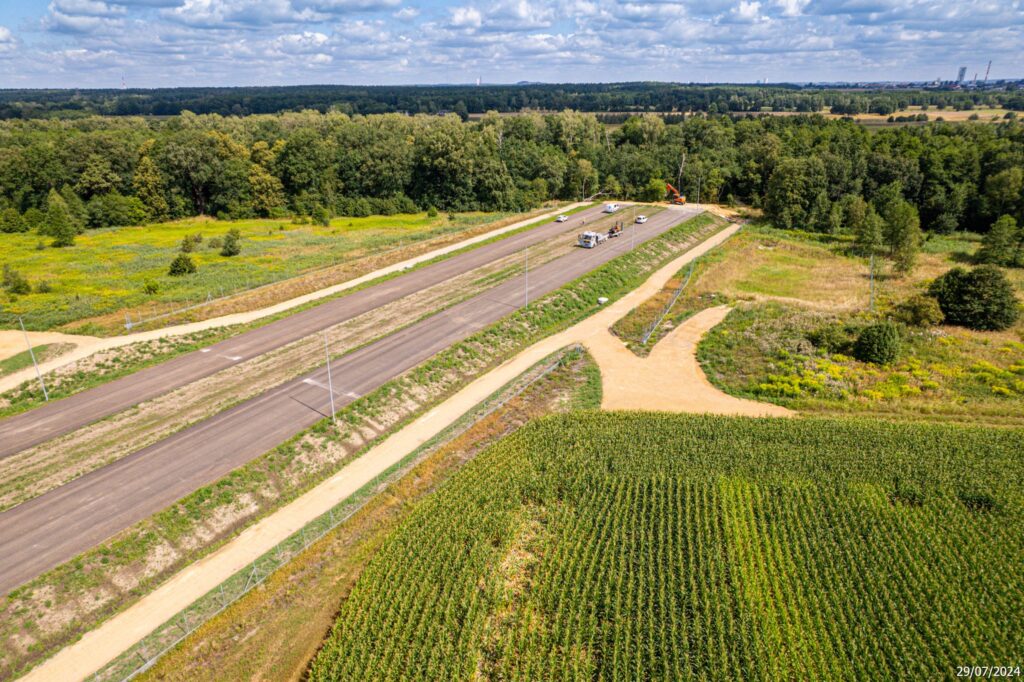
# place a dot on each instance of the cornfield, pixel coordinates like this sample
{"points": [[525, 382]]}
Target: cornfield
{"points": [[637, 546]]}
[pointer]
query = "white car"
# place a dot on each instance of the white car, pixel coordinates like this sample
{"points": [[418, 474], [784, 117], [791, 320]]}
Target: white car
{"points": [[641, 219], [562, 219]]}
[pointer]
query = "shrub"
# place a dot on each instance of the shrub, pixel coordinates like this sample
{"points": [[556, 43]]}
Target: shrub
{"points": [[321, 216], [878, 343], [151, 287], [44, 288], [187, 245], [182, 265], [11, 221], [14, 282], [834, 337], [919, 311], [432, 212], [981, 298], [216, 243], [232, 244]]}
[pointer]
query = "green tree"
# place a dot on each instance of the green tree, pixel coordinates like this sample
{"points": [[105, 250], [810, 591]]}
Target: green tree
{"points": [[903, 235], [867, 237], [1002, 242], [654, 190], [182, 265], [76, 208], [98, 177], [321, 216], [150, 189], [59, 223], [982, 298], [232, 243], [919, 311], [793, 190], [11, 221]]}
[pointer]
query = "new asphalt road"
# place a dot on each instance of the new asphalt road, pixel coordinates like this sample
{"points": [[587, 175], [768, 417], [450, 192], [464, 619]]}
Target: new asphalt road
{"points": [[54, 527], [37, 426]]}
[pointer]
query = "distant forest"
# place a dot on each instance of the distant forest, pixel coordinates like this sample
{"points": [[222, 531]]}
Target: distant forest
{"points": [[466, 100]]}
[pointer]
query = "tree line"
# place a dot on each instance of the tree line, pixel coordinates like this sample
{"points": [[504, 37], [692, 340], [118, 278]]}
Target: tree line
{"points": [[806, 172], [466, 100]]}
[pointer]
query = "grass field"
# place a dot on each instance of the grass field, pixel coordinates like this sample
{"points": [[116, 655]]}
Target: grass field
{"points": [[107, 271], [788, 287], [633, 546]]}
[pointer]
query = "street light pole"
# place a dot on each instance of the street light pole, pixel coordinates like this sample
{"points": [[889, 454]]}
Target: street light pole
{"points": [[330, 382], [526, 289], [32, 354]]}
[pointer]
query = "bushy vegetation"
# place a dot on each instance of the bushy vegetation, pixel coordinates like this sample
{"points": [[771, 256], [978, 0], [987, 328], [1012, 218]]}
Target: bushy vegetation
{"points": [[878, 343], [981, 298], [632, 546]]}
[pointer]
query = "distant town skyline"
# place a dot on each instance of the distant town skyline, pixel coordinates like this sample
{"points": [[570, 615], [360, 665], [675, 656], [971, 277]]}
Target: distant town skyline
{"points": [[171, 43]]}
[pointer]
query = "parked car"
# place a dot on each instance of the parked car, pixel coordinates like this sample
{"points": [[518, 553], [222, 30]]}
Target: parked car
{"points": [[561, 219], [641, 219]]}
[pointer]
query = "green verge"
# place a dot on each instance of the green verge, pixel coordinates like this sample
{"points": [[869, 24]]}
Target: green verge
{"points": [[29, 395], [632, 546], [285, 472]]}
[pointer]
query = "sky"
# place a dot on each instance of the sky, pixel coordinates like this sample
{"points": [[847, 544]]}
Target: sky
{"points": [[171, 43]]}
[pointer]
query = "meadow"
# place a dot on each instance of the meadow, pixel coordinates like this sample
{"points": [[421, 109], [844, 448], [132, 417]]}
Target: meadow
{"points": [[115, 270], [631, 546]]}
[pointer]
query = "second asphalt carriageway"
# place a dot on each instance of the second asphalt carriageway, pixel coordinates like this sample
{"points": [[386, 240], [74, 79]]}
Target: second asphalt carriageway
{"points": [[56, 526], [59, 417]]}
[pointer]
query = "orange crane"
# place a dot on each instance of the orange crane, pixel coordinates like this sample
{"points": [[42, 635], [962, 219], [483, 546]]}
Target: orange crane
{"points": [[677, 198]]}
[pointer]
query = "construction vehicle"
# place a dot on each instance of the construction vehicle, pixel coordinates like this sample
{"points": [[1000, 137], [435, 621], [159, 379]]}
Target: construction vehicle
{"points": [[589, 240], [615, 230], [675, 196]]}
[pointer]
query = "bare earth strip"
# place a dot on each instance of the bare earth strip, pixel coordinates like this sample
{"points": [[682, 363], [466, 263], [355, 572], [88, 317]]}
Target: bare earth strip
{"points": [[100, 646], [87, 345]]}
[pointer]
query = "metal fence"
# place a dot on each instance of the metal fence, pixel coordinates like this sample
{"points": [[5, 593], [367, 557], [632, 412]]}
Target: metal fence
{"points": [[145, 653], [654, 326]]}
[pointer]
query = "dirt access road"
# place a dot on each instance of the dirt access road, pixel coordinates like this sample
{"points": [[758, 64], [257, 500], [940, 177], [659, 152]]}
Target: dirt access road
{"points": [[670, 379], [62, 416], [54, 527], [102, 645]]}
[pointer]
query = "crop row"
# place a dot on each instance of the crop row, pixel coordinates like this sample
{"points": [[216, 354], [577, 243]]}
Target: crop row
{"points": [[629, 547]]}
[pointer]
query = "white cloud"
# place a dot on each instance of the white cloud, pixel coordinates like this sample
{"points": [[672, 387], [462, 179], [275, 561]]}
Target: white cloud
{"points": [[406, 14], [792, 8], [8, 43], [466, 17], [747, 11]]}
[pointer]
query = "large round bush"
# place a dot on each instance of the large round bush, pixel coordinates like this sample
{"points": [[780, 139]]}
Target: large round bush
{"points": [[981, 298], [878, 343]]}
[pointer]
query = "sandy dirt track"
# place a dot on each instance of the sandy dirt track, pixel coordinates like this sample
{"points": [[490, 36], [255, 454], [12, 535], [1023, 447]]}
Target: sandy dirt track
{"points": [[12, 342], [87, 345], [98, 647], [669, 379]]}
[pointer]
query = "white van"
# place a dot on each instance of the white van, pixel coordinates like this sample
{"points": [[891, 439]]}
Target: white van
{"points": [[611, 208]]}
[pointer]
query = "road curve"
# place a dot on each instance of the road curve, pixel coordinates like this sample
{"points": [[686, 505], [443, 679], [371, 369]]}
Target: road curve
{"points": [[54, 419], [56, 526]]}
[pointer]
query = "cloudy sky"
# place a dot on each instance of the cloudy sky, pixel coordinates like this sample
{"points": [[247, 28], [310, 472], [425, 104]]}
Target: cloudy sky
{"points": [[159, 43]]}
